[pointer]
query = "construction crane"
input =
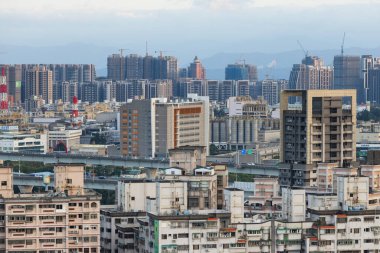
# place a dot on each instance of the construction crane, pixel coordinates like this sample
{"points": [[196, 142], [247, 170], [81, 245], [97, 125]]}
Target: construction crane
{"points": [[160, 51], [303, 49], [121, 50], [342, 46], [241, 60]]}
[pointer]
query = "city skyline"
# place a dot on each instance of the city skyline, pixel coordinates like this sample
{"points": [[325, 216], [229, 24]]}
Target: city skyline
{"points": [[263, 26]]}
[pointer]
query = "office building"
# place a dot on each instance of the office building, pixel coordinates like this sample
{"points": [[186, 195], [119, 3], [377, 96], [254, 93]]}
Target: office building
{"points": [[66, 220], [311, 74], [322, 131], [196, 70], [347, 73], [152, 127]]}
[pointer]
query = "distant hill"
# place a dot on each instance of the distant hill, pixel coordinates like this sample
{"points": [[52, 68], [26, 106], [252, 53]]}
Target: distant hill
{"points": [[275, 65], [280, 63]]}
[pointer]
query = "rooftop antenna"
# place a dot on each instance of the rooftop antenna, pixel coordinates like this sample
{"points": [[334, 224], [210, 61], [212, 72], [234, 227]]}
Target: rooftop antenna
{"points": [[342, 46], [146, 48]]}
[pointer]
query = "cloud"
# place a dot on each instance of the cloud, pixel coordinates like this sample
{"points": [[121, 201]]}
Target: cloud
{"points": [[131, 7], [63, 7], [307, 3]]}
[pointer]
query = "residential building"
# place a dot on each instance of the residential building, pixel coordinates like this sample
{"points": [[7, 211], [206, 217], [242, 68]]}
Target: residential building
{"points": [[66, 220], [322, 131], [236, 72], [39, 82], [196, 70], [116, 67], [134, 67], [311, 74], [242, 88]]}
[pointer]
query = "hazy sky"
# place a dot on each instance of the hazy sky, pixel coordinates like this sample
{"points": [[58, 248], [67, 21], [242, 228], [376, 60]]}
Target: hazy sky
{"points": [[202, 27]]}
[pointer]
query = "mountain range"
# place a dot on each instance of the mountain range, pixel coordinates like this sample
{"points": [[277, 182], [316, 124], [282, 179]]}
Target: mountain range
{"points": [[273, 65]]}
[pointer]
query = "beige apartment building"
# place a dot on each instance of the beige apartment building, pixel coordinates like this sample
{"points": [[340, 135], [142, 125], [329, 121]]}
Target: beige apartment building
{"points": [[62, 221], [321, 131], [149, 128]]}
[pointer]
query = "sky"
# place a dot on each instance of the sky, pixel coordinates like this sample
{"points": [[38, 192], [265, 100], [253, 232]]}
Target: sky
{"points": [[192, 27]]}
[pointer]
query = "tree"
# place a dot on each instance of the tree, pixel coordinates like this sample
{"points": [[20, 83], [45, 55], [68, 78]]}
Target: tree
{"points": [[213, 150]]}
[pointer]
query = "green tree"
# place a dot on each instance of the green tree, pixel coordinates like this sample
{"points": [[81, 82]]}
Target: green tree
{"points": [[213, 150]]}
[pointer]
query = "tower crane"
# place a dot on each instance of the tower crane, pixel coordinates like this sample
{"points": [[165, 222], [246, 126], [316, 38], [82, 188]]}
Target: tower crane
{"points": [[342, 46], [303, 49], [121, 50]]}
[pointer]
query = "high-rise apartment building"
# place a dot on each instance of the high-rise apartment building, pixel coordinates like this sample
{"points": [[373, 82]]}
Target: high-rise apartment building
{"points": [[213, 90], [373, 84], [242, 88], [116, 67], [347, 73], [196, 70], [236, 72], [227, 89], [322, 131], [152, 127], [64, 220], [311, 75], [134, 66], [270, 91], [370, 83], [66, 91], [39, 82]]}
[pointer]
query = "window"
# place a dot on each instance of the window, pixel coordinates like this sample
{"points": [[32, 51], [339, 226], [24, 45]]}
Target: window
{"points": [[3, 183], [164, 236], [69, 181]]}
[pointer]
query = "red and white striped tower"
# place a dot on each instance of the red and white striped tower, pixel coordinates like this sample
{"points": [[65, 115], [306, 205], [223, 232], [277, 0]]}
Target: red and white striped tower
{"points": [[3, 92], [75, 112]]}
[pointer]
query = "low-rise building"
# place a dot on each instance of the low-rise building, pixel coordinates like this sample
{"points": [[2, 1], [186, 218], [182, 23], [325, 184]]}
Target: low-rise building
{"points": [[63, 220], [23, 142], [61, 139]]}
